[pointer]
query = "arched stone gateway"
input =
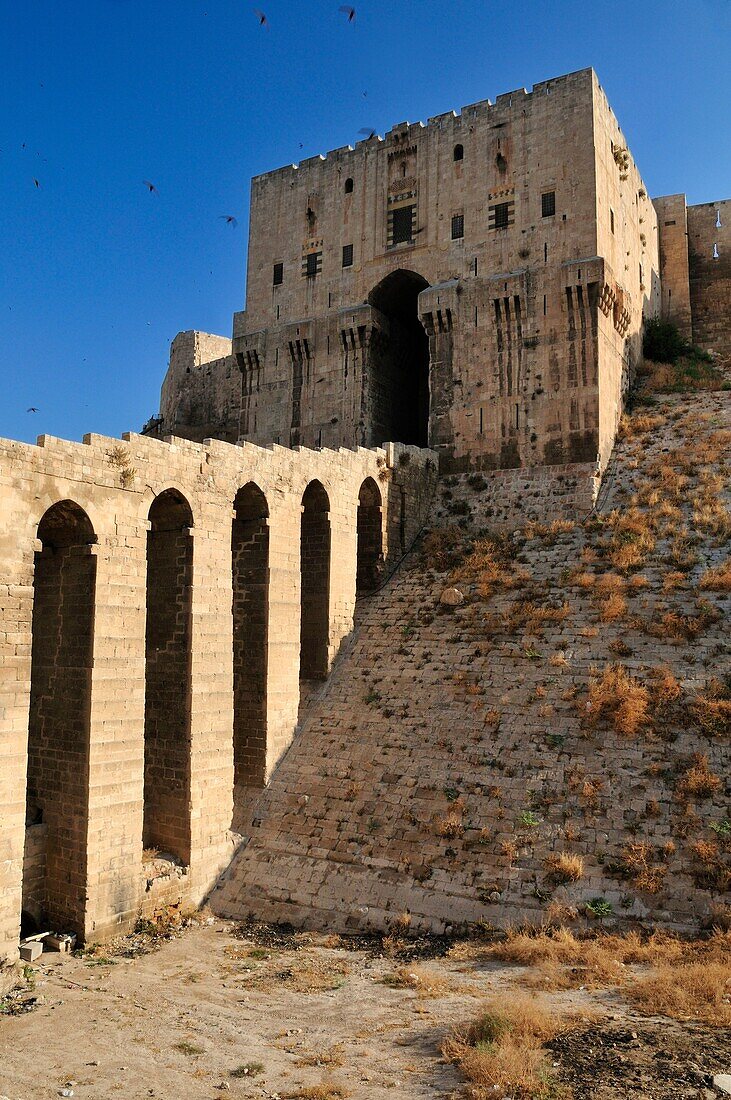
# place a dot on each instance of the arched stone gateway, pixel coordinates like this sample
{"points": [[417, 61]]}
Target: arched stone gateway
{"points": [[399, 362], [57, 792]]}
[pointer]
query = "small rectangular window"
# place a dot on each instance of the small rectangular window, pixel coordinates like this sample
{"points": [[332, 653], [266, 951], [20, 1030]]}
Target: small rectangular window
{"points": [[347, 255], [457, 227], [502, 211], [611, 220], [278, 275], [401, 225], [313, 263], [548, 204]]}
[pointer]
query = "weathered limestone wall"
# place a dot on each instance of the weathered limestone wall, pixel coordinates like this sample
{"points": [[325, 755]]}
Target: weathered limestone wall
{"points": [[709, 251], [672, 225], [87, 710], [626, 224], [508, 499], [201, 392]]}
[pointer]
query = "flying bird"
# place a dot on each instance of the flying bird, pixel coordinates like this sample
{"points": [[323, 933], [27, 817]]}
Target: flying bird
{"points": [[229, 219], [32, 409], [347, 10], [151, 187], [263, 21], [36, 182]]}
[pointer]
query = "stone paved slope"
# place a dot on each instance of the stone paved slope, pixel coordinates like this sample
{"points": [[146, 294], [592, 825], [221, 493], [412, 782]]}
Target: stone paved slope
{"points": [[456, 754]]}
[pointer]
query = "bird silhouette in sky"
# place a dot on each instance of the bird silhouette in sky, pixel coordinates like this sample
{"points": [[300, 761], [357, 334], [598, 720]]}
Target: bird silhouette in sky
{"points": [[36, 182], [229, 220], [32, 409], [263, 21], [151, 187], [347, 10]]}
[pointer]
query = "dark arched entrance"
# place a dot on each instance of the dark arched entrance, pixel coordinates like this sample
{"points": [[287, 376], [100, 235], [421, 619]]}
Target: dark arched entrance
{"points": [[399, 363]]}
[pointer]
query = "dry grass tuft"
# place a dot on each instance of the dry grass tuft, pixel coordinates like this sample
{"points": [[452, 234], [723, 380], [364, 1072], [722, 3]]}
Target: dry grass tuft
{"points": [[698, 781], [612, 608], [325, 1091], [638, 865], [501, 1052], [712, 710], [631, 427], [424, 982], [717, 579], [443, 548], [489, 564], [617, 699], [564, 867], [694, 990]]}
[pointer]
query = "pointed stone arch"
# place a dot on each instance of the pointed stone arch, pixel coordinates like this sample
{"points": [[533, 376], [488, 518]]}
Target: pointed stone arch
{"points": [[57, 791], [168, 633], [315, 583], [250, 611], [369, 536]]}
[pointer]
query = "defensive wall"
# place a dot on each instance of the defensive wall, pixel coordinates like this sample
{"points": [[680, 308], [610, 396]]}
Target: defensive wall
{"points": [[160, 603]]}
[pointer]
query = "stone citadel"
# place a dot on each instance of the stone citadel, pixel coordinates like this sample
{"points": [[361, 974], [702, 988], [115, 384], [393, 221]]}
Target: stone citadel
{"points": [[465, 296]]}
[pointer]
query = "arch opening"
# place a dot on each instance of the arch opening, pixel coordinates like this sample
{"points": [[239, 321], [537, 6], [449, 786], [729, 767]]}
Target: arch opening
{"points": [[315, 583], [458, 152], [399, 363], [369, 529], [250, 611], [166, 817], [57, 791]]}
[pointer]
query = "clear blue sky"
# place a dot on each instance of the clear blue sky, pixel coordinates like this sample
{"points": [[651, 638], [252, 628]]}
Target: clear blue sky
{"points": [[97, 274]]}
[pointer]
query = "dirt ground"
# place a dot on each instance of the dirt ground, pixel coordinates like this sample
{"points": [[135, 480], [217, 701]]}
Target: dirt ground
{"points": [[256, 1013]]}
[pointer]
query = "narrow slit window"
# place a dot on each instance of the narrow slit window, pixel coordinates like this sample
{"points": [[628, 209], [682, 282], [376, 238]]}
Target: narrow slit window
{"points": [[611, 220]]}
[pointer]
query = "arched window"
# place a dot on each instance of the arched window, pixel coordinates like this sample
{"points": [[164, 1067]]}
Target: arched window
{"points": [[166, 820], [459, 152], [57, 795], [348, 186]]}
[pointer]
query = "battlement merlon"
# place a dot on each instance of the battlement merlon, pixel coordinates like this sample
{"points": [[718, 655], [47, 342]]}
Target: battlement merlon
{"points": [[481, 109]]}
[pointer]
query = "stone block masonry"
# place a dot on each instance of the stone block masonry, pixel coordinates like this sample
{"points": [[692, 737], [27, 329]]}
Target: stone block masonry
{"points": [[452, 757], [154, 625]]}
